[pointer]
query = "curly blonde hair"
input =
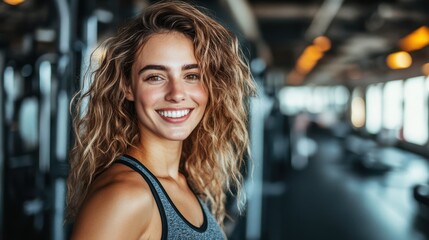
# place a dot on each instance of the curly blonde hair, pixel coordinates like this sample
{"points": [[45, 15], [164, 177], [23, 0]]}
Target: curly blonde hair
{"points": [[213, 154]]}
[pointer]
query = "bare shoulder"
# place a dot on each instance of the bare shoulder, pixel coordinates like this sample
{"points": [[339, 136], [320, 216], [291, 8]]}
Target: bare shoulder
{"points": [[119, 205]]}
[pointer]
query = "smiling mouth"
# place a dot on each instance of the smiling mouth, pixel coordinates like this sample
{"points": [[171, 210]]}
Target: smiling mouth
{"points": [[174, 113]]}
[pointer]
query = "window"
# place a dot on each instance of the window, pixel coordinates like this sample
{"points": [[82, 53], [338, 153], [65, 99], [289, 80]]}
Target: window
{"points": [[294, 99], [374, 108], [341, 98], [392, 105], [415, 111]]}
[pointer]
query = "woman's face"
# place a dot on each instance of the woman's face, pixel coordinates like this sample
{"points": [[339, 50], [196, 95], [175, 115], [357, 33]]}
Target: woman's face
{"points": [[167, 90]]}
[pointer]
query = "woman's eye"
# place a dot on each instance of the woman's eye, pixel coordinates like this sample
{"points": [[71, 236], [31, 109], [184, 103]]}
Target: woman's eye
{"points": [[193, 77], [154, 78]]}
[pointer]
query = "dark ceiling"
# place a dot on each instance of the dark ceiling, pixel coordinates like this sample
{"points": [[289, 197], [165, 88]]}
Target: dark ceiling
{"points": [[362, 32]]}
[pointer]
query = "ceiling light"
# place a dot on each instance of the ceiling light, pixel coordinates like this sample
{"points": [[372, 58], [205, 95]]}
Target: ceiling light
{"points": [[358, 112], [415, 40], [13, 2], [399, 60], [323, 43]]}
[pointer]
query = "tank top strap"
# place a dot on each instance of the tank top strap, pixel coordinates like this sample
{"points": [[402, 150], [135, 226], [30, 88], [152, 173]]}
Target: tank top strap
{"points": [[153, 185]]}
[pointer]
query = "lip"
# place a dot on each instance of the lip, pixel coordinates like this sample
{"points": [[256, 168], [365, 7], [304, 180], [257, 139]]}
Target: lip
{"points": [[176, 119]]}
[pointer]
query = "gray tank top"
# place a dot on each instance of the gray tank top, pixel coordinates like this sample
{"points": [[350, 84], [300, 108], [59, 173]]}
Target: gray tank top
{"points": [[174, 224]]}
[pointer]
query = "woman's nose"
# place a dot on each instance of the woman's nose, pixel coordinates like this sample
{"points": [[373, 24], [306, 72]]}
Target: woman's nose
{"points": [[176, 91]]}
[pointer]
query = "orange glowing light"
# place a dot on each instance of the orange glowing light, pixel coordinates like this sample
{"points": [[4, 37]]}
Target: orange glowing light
{"points": [[323, 43], [415, 40], [312, 52], [304, 66], [13, 2], [308, 59], [399, 60]]}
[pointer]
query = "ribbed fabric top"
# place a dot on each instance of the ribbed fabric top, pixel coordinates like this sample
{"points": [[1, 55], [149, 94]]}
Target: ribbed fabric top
{"points": [[174, 224]]}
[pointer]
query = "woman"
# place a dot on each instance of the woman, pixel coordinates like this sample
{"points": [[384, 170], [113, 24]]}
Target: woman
{"points": [[164, 131]]}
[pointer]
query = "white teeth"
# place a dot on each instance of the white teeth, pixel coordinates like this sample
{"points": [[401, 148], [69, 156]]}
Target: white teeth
{"points": [[174, 114]]}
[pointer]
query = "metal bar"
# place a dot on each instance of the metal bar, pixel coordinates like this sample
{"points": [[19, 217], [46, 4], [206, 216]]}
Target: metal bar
{"points": [[2, 152], [255, 181], [45, 77], [64, 65], [91, 38]]}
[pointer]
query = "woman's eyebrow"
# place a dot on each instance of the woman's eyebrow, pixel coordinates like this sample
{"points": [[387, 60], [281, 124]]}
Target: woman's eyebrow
{"points": [[152, 67], [165, 68], [190, 66]]}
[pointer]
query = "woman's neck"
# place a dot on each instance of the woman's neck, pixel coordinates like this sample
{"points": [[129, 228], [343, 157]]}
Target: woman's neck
{"points": [[160, 156]]}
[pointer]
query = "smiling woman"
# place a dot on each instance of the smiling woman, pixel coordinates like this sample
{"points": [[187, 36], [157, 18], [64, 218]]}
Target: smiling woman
{"points": [[164, 133]]}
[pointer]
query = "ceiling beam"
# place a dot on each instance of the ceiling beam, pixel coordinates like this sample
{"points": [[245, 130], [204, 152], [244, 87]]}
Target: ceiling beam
{"points": [[323, 18], [247, 22]]}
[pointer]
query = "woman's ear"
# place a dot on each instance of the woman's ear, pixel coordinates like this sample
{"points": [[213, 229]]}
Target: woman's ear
{"points": [[129, 93]]}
